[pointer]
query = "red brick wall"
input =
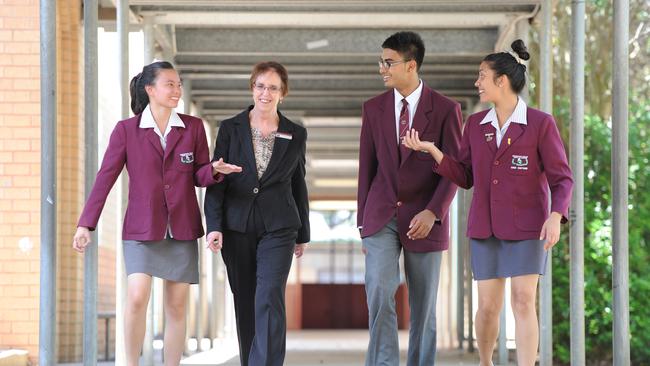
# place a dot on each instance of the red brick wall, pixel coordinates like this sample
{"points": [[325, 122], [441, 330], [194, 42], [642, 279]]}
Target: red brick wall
{"points": [[19, 174], [20, 182]]}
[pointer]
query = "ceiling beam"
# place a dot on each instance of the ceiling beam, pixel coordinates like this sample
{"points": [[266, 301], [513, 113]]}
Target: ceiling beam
{"points": [[348, 4], [323, 68], [316, 76], [330, 19], [275, 54], [216, 95]]}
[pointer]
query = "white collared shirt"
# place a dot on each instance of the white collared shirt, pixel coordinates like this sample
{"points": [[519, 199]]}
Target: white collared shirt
{"points": [[413, 99], [147, 121], [517, 116]]}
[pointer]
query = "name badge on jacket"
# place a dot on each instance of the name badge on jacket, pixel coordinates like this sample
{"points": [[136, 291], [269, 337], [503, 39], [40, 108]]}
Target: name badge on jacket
{"points": [[187, 158], [283, 135]]}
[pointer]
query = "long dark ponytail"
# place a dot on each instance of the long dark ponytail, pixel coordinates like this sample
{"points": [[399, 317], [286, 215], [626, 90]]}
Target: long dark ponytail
{"points": [[504, 63], [139, 96]]}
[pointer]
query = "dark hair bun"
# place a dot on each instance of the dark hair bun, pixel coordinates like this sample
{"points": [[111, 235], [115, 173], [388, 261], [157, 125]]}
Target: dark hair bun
{"points": [[520, 49]]}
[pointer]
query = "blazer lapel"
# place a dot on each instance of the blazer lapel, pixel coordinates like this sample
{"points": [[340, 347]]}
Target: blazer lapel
{"points": [[489, 136], [280, 146], [515, 130], [389, 129], [422, 116], [154, 140], [172, 139], [246, 140]]}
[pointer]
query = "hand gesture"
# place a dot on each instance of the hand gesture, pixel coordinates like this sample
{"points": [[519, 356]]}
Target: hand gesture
{"points": [[412, 141], [224, 168]]}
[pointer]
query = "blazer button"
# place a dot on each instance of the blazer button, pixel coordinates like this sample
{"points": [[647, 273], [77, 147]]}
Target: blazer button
{"points": [[399, 203], [255, 190], [496, 181], [496, 162], [166, 186]]}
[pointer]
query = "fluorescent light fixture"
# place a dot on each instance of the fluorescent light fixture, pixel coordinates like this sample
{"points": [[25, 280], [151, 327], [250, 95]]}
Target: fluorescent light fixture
{"points": [[317, 44]]}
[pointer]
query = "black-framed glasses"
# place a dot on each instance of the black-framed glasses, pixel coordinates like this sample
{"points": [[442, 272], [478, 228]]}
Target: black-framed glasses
{"points": [[386, 64], [271, 88]]}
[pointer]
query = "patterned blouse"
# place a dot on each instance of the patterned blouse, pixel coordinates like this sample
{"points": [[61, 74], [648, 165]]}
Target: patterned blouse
{"points": [[263, 147]]}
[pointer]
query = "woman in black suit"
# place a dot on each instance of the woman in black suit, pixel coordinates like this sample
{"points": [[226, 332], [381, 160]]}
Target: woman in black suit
{"points": [[260, 217]]}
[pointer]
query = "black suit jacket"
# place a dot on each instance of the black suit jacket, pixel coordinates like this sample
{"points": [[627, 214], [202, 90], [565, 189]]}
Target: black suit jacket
{"points": [[281, 193]]}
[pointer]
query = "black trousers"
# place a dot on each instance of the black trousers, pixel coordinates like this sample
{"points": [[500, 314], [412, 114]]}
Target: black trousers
{"points": [[258, 264]]}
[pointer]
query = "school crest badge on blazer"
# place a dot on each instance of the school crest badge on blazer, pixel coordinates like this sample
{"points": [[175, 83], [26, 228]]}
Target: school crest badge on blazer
{"points": [[519, 162], [187, 158]]}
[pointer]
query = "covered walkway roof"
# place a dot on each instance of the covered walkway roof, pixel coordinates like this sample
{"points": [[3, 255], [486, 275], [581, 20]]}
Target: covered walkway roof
{"points": [[330, 49]]}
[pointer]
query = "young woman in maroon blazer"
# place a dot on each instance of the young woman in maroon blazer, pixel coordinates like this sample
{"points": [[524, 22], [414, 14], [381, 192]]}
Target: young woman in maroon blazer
{"points": [[166, 156], [510, 154]]}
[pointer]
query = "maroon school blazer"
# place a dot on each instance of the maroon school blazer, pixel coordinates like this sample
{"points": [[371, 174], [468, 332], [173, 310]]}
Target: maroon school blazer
{"points": [[510, 199], [161, 184], [388, 188]]}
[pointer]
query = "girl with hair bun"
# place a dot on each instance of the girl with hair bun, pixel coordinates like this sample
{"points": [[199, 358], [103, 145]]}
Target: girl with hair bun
{"points": [[511, 154], [166, 156]]}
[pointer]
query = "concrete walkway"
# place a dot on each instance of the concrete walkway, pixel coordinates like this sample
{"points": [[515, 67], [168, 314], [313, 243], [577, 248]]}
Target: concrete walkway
{"points": [[326, 347], [316, 348]]}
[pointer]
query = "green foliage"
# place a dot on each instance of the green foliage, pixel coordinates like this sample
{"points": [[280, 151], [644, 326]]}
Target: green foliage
{"points": [[597, 159], [598, 53], [639, 215], [598, 246]]}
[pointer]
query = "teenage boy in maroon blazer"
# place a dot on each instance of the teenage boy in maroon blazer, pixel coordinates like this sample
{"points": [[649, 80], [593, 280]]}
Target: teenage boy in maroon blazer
{"points": [[402, 203]]}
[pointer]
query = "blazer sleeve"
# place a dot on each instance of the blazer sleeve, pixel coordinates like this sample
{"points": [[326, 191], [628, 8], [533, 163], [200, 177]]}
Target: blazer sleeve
{"points": [[458, 168], [203, 176], [449, 144], [300, 194], [556, 167], [367, 165], [112, 165], [213, 201]]}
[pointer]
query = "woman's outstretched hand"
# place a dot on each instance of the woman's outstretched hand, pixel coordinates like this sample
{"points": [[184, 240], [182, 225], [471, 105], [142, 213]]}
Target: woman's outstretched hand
{"points": [[412, 141], [224, 168]]}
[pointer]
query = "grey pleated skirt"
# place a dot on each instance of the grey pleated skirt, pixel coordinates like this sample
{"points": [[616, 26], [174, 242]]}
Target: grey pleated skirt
{"points": [[496, 258], [169, 259]]}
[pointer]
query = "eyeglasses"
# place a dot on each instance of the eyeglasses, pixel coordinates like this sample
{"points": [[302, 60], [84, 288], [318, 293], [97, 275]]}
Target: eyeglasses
{"points": [[386, 64], [271, 88]]}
